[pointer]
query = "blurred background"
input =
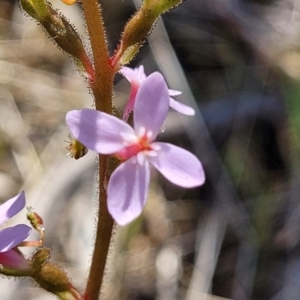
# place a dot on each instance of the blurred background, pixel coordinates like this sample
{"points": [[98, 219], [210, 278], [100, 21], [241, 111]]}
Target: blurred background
{"points": [[237, 237]]}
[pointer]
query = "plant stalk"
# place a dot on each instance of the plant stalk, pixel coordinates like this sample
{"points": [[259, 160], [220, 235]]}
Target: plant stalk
{"points": [[102, 90]]}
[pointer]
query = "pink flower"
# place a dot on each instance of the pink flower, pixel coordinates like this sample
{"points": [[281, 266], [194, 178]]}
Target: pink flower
{"points": [[136, 77], [10, 237], [128, 185]]}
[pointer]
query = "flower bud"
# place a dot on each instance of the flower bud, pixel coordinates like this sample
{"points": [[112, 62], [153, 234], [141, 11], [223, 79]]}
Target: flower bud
{"points": [[139, 26], [50, 276], [59, 29]]}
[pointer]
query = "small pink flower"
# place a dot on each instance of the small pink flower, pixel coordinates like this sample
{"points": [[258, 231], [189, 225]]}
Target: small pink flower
{"points": [[128, 185], [136, 77], [10, 237]]}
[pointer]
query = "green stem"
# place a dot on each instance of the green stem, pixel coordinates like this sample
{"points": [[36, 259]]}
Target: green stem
{"points": [[102, 90]]}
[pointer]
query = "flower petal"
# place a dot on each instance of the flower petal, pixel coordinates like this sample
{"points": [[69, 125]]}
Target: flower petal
{"points": [[128, 73], [13, 259], [151, 104], [137, 74], [174, 92], [129, 105], [178, 165], [182, 108], [11, 207], [98, 131], [12, 236], [127, 191]]}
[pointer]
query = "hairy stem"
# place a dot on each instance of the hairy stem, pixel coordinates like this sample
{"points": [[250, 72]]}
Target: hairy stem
{"points": [[102, 90]]}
